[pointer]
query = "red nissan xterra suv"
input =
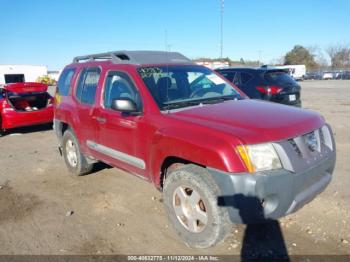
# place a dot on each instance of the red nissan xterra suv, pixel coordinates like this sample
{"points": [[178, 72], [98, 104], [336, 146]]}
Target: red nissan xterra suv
{"points": [[218, 157]]}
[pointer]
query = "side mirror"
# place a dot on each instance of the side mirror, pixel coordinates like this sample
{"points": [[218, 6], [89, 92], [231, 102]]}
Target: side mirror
{"points": [[124, 105]]}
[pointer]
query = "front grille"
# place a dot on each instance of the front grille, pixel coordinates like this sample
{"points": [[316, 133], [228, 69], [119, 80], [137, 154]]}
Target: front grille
{"points": [[322, 138], [304, 151], [309, 144], [295, 147]]}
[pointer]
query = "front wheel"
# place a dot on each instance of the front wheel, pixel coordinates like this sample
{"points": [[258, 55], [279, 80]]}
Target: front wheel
{"points": [[75, 161], [190, 198]]}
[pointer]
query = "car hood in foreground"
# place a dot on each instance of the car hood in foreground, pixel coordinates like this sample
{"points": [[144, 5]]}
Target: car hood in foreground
{"points": [[253, 121]]}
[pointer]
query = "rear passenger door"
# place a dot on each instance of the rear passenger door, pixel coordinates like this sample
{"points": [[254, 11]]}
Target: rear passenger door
{"points": [[242, 80], [245, 78], [85, 95], [245, 83]]}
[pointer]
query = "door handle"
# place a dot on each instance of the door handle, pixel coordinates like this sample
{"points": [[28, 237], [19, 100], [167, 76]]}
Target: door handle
{"points": [[101, 120]]}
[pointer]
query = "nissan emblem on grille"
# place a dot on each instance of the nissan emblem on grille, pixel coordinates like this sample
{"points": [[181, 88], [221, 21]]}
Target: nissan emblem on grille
{"points": [[311, 141]]}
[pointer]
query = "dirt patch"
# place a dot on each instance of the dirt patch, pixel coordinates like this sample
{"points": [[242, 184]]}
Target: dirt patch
{"points": [[108, 201], [14, 206], [95, 246]]}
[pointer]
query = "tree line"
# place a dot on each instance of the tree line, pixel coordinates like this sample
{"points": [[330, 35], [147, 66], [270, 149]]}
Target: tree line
{"points": [[312, 57]]}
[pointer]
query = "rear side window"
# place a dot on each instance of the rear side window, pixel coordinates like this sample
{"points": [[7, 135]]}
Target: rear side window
{"points": [[278, 77], [245, 77], [228, 75], [237, 79], [65, 81], [87, 85]]}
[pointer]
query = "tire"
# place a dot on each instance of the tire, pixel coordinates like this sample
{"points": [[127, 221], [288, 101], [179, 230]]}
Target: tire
{"points": [[202, 232], [2, 131], [78, 164]]}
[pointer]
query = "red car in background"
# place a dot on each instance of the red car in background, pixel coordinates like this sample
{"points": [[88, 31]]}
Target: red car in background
{"points": [[24, 104]]}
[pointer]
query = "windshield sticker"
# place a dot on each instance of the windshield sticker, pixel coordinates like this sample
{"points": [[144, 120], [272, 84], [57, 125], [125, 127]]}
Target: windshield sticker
{"points": [[149, 71], [215, 79]]}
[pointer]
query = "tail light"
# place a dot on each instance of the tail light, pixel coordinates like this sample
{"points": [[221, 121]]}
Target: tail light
{"points": [[6, 107], [269, 90]]}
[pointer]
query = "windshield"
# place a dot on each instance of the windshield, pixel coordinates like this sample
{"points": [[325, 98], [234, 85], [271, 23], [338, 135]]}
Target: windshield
{"points": [[279, 77], [181, 86]]}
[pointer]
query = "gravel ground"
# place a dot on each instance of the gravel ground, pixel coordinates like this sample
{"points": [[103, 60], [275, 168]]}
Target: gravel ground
{"points": [[44, 210]]}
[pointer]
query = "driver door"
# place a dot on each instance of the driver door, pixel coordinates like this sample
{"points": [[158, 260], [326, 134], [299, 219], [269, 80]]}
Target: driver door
{"points": [[121, 135]]}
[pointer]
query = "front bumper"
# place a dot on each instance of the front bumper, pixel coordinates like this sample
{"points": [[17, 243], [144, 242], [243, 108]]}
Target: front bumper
{"points": [[251, 198]]}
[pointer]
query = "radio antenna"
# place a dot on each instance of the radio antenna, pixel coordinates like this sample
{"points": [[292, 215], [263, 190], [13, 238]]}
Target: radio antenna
{"points": [[221, 28]]}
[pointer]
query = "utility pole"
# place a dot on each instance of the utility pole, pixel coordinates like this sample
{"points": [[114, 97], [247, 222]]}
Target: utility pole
{"points": [[259, 57], [221, 28]]}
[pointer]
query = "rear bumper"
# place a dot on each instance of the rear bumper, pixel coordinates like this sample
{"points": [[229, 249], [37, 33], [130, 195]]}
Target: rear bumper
{"points": [[250, 198], [13, 119], [285, 99]]}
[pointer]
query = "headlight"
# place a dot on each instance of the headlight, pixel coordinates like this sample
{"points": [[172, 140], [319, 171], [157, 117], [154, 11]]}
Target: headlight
{"points": [[259, 157]]}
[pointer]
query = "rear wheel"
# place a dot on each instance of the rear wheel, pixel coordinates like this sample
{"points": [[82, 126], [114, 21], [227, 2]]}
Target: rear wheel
{"points": [[190, 197], [75, 161]]}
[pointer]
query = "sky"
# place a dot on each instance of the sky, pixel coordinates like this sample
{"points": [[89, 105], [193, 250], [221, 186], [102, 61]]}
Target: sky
{"points": [[52, 32]]}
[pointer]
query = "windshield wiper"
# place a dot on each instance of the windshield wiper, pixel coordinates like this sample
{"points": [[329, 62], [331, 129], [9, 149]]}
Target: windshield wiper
{"points": [[213, 100], [209, 100], [181, 104]]}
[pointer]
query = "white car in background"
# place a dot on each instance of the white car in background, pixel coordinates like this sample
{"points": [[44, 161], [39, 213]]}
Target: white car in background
{"points": [[296, 71], [327, 75]]}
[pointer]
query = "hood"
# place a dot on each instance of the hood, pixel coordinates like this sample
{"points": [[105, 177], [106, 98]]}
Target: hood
{"points": [[253, 121], [20, 88]]}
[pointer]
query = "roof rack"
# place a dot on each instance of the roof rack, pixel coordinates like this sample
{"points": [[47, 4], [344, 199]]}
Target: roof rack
{"points": [[136, 57]]}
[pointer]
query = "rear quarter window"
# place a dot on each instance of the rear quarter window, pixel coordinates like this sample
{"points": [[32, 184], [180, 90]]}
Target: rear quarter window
{"points": [[64, 82]]}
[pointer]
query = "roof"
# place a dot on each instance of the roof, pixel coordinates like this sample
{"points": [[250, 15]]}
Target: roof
{"points": [[136, 57], [254, 69], [238, 68]]}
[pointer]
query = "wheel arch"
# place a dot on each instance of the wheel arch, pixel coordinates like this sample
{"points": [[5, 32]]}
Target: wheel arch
{"points": [[60, 127], [167, 150], [169, 164]]}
